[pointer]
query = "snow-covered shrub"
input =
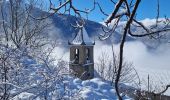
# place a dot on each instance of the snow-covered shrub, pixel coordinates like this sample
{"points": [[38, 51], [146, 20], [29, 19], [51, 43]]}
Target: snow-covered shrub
{"points": [[26, 65], [107, 68]]}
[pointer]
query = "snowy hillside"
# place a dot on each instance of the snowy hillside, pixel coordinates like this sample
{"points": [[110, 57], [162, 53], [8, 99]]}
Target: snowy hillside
{"points": [[29, 71], [150, 24], [43, 73], [74, 88], [61, 29]]}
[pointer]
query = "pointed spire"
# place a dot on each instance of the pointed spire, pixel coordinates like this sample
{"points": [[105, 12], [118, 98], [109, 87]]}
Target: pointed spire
{"points": [[81, 38]]}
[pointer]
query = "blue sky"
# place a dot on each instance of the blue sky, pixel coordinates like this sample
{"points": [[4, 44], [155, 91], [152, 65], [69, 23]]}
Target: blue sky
{"points": [[147, 8]]}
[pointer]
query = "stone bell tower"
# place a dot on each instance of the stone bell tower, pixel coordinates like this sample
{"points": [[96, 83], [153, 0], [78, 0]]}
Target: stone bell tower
{"points": [[81, 55]]}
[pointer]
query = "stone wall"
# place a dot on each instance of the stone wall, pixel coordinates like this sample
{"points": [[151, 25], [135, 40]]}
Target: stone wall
{"points": [[82, 69]]}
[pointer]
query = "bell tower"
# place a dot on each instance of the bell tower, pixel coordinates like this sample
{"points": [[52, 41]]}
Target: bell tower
{"points": [[81, 55]]}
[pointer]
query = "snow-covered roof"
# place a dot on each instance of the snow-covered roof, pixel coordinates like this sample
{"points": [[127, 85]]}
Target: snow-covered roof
{"points": [[82, 38]]}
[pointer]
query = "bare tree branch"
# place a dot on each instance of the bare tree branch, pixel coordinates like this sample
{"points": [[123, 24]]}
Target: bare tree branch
{"points": [[117, 6], [163, 91], [122, 46]]}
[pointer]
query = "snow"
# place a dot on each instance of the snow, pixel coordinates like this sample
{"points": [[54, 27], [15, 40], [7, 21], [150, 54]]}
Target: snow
{"points": [[146, 61], [81, 37], [150, 22], [167, 92], [90, 89], [86, 37], [94, 89], [149, 56], [88, 64], [24, 96], [78, 39]]}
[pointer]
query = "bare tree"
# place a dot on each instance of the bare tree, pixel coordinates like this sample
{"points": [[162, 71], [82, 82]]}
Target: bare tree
{"points": [[125, 10], [26, 63], [20, 38], [130, 11], [107, 68], [17, 25]]}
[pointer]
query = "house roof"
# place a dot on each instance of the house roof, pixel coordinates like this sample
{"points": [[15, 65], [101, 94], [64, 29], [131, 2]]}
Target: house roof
{"points": [[81, 38]]}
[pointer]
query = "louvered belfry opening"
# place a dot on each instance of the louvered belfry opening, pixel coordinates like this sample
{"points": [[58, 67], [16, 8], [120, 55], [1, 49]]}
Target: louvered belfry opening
{"points": [[81, 55], [76, 56]]}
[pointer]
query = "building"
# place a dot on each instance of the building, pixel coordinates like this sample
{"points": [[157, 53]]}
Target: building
{"points": [[81, 55]]}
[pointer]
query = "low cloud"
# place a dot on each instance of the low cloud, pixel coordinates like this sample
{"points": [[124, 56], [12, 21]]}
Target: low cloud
{"points": [[144, 59], [154, 62]]}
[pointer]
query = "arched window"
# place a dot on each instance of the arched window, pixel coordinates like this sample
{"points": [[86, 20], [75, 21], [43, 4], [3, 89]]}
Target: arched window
{"points": [[88, 54], [76, 55]]}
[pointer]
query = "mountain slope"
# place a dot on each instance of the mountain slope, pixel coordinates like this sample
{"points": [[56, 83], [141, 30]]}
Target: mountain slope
{"points": [[64, 30]]}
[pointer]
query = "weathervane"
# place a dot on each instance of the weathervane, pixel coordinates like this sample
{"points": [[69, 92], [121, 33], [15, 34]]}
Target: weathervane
{"points": [[79, 24]]}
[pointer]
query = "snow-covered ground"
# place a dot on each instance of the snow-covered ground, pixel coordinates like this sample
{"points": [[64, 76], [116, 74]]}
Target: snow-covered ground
{"points": [[94, 89]]}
